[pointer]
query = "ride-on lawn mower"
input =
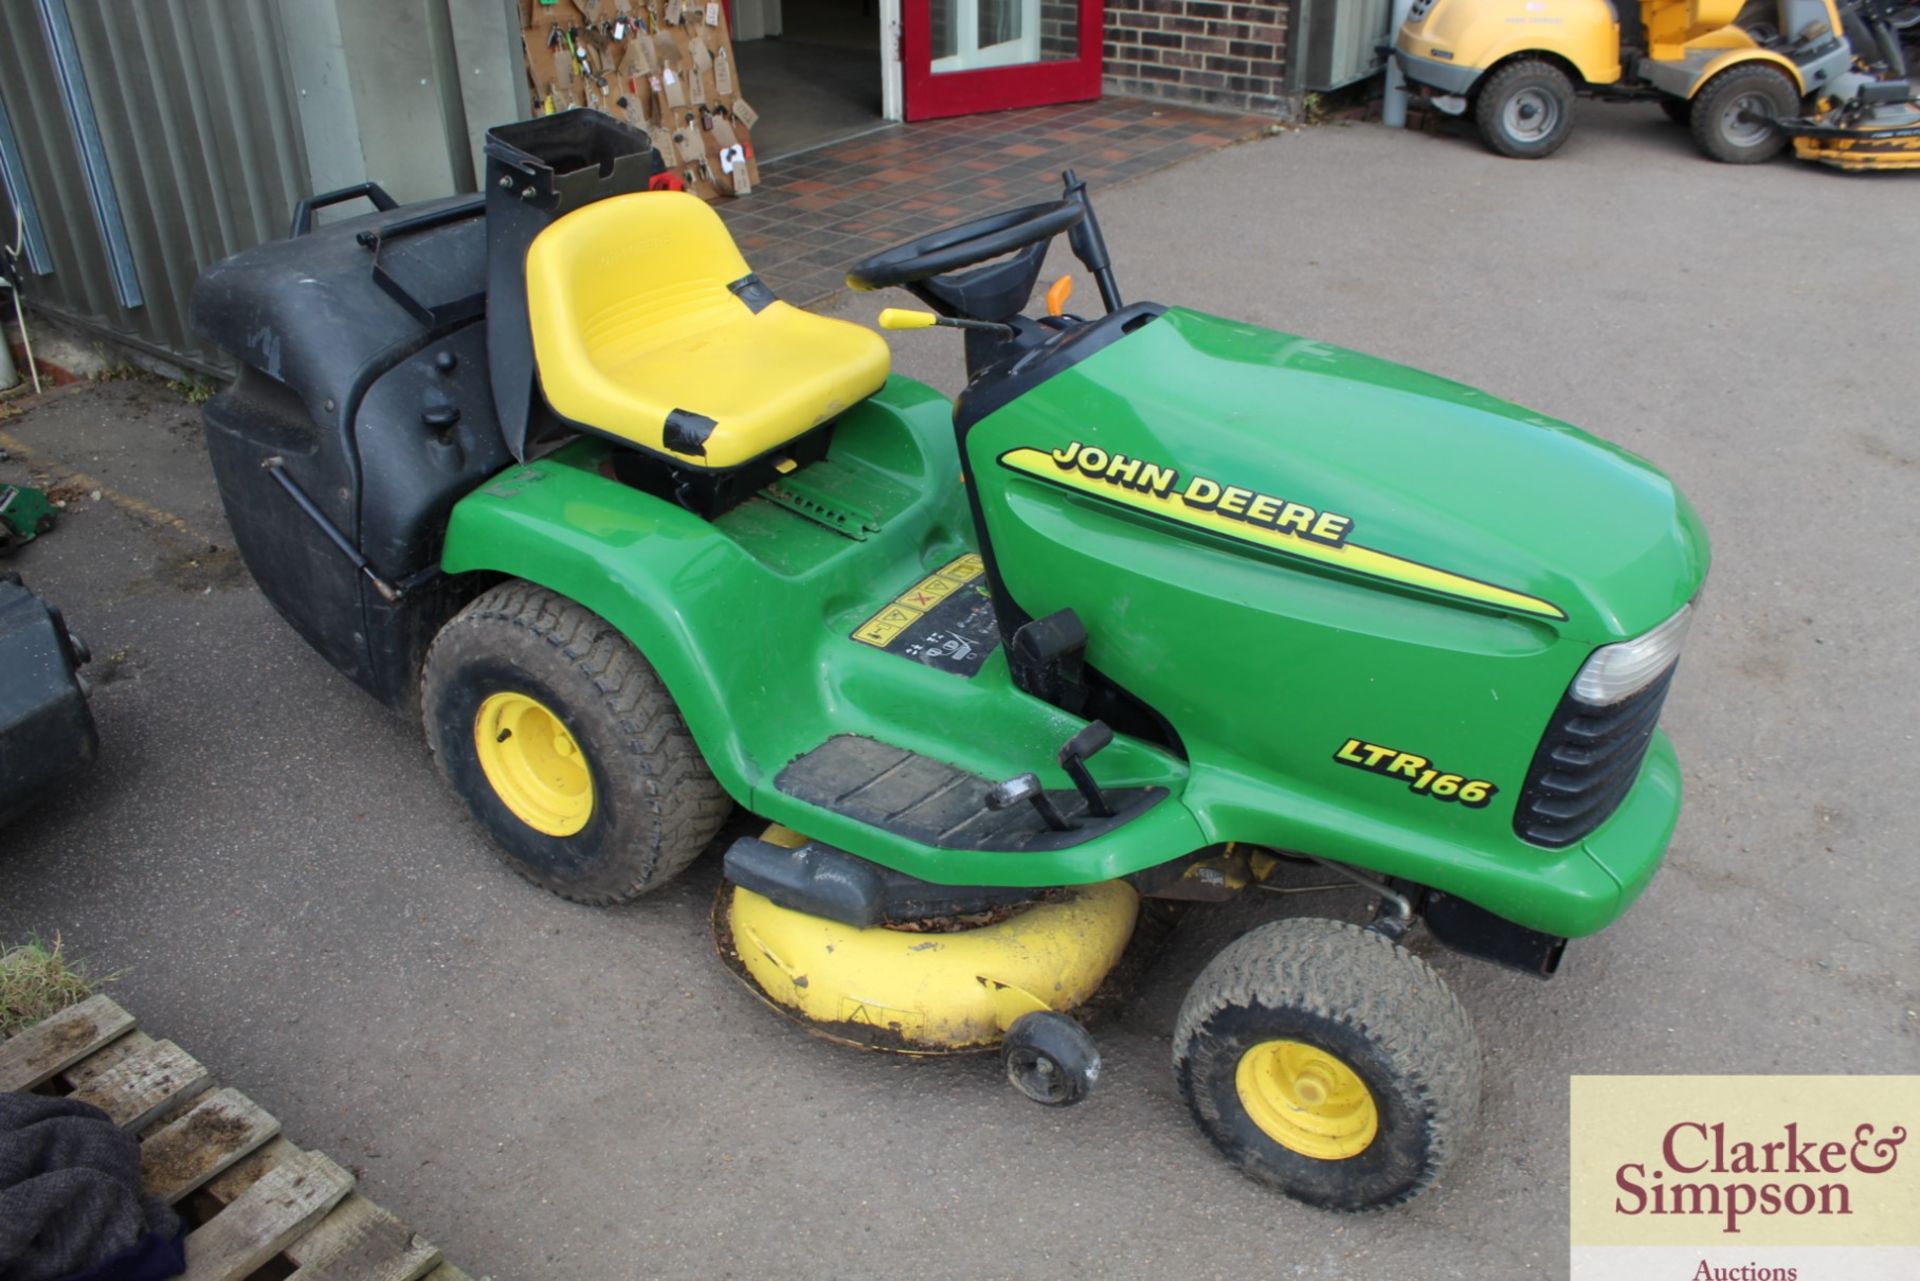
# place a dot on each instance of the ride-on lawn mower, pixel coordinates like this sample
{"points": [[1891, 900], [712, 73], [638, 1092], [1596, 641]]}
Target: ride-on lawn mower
{"points": [[1743, 75], [1162, 605]]}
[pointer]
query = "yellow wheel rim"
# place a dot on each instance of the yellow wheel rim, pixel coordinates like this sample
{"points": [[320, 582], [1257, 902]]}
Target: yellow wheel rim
{"points": [[533, 763], [1307, 1100]]}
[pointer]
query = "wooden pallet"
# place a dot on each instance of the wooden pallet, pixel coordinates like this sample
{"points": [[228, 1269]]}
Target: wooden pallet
{"points": [[257, 1200]]}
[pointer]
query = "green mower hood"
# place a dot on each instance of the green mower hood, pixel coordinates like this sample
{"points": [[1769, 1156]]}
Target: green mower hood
{"points": [[1358, 467]]}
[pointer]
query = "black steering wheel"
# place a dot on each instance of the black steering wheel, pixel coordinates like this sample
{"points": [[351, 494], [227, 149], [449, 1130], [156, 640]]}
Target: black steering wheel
{"points": [[967, 243]]}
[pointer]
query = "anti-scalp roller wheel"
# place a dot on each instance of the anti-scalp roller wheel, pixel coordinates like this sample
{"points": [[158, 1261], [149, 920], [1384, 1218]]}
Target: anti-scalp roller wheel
{"points": [[1050, 1058]]}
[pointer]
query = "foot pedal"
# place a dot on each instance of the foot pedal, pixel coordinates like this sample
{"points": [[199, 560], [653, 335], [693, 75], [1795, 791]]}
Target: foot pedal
{"points": [[1073, 759], [1048, 658], [1026, 787]]}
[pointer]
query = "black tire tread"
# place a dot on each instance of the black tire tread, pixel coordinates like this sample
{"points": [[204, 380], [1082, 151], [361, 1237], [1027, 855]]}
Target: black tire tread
{"points": [[686, 803], [1367, 981], [1491, 91], [1706, 111]]}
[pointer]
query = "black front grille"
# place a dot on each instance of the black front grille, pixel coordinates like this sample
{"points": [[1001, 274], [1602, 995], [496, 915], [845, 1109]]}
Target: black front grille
{"points": [[1588, 758]]}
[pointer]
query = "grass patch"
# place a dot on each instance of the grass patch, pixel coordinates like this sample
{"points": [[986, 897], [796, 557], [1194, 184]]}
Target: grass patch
{"points": [[36, 980], [195, 391]]}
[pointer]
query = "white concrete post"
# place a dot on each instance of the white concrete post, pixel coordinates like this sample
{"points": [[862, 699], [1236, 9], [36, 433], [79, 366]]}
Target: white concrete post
{"points": [[1393, 108]]}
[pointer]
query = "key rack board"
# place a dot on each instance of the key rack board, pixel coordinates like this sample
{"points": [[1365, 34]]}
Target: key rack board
{"points": [[666, 66]]}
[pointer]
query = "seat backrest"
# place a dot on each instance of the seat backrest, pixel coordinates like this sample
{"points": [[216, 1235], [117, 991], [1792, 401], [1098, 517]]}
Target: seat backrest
{"points": [[656, 260]]}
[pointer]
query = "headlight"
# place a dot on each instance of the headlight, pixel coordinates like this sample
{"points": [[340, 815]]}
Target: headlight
{"points": [[1616, 671]]}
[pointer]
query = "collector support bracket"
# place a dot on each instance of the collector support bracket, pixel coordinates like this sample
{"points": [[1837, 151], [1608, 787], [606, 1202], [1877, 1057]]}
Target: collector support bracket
{"points": [[391, 592]]}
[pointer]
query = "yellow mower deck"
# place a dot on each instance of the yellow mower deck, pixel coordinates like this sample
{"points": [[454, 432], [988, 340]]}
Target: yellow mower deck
{"points": [[925, 992], [1860, 150]]}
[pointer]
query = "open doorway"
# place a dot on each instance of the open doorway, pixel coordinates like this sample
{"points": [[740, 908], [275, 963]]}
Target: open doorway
{"points": [[812, 69]]}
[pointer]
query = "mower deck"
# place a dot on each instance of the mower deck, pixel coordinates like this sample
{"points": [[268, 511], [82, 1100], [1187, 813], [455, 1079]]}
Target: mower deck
{"points": [[944, 988], [1859, 146]]}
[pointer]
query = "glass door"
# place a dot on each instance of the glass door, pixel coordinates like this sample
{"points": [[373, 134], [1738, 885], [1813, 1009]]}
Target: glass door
{"points": [[962, 56]]}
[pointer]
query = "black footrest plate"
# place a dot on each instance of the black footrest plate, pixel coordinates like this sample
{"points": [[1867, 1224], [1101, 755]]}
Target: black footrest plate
{"points": [[918, 797], [822, 880]]}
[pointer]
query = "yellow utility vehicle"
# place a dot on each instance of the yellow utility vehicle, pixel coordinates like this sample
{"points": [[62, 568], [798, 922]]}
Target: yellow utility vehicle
{"points": [[1744, 75]]}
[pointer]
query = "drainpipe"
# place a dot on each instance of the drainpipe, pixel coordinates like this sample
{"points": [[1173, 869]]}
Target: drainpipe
{"points": [[1393, 108]]}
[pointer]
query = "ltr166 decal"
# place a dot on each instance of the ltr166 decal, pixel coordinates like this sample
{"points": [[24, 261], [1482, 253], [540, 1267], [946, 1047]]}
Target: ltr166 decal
{"points": [[1268, 521], [1417, 772]]}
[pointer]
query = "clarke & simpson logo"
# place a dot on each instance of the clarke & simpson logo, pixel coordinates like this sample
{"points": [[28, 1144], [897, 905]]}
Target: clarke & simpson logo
{"points": [[1744, 1179], [1701, 1171]]}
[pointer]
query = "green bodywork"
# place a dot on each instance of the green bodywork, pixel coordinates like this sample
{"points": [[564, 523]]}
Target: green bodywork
{"points": [[1263, 659]]}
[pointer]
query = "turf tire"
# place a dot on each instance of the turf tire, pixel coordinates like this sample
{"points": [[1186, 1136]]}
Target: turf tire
{"points": [[1715, 125], [656, 804], [1378, 1007], [1535, 79]]}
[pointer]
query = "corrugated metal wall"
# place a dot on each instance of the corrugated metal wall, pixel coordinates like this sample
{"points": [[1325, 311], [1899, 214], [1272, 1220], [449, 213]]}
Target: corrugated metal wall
{"points": [[1336, 42], [209, 114], [201, 138]]}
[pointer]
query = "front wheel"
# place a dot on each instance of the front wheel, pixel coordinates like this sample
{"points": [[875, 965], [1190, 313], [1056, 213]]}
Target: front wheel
{"points": [[1525, 109], [1734, 115], [566, 747], [1328, 1061]]}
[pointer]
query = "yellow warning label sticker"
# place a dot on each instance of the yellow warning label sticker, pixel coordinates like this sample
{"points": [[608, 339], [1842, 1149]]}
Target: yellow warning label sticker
{"points": [[909, 605]]}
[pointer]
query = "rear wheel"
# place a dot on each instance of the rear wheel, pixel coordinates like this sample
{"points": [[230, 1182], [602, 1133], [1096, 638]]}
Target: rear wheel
{"points": [[1525, 109], [565, 746], [1330, 1062], [1734, 114]]}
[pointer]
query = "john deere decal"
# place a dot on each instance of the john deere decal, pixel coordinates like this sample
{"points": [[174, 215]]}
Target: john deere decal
{"points": [[1249, 516]]}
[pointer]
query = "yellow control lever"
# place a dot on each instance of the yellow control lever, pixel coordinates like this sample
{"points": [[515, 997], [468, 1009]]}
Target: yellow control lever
{"points": [[906, 318]]}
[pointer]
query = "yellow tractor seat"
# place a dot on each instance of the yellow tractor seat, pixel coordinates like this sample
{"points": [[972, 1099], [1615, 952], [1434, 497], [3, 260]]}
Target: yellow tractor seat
{"points": [[649, 327]]}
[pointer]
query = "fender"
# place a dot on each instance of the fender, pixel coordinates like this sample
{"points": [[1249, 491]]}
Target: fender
{"points": [[563, 543], [1581, 33], [1595, 65], [1733, 57]]}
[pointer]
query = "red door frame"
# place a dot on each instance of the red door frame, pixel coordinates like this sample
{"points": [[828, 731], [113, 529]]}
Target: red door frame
{"points": [[1027, 84]]}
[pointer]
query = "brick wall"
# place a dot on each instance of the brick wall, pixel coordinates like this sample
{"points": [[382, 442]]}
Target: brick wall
{"points": [[1214, 52], [1059, 29]]}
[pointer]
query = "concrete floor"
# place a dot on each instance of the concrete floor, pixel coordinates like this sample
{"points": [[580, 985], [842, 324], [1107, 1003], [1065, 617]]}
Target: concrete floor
{"points": [[818, 81], [557, 1092]]}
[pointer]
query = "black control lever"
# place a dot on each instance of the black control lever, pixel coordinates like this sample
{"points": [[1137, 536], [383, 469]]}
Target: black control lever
{"points": [[1073, 759], [1026, 787], [1089, 246]]}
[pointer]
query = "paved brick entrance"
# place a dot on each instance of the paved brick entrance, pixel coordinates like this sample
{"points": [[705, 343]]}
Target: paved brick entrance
{"points": [[815, 213]]}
